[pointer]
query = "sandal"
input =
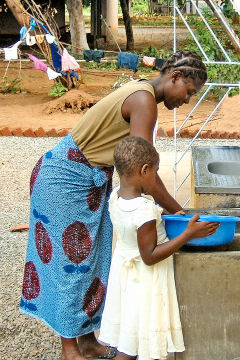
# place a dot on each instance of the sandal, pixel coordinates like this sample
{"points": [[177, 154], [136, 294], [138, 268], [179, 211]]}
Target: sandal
{"points": [[110, 353]]}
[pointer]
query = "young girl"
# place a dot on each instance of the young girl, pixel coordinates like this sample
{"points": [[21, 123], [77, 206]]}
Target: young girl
{"points": [[141, 316]]}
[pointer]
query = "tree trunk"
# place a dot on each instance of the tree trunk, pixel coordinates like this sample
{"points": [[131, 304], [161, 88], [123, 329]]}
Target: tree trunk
{"points": [[18, 12], [128, 24], [77, 26]]}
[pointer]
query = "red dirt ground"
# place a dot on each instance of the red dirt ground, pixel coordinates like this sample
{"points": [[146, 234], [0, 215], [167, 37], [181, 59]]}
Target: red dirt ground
{"points": [[34, 108]]}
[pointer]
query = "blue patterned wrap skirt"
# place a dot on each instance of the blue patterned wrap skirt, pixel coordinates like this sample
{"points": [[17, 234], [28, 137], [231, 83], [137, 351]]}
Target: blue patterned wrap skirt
{"points": [[70, 241]]}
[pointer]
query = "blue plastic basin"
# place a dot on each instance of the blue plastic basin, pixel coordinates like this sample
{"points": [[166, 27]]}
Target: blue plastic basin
{"points": [[176, 224]]}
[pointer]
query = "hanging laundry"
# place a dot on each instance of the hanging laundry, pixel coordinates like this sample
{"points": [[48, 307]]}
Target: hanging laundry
{"points": [[159, 63], [72, 74], [95, 55], [52, 74], [50, 38], [75, 74], [32, 25], [41, 25], [68, 62], [128, 60], [149, 61], [30, 40], [11, 53], [38, 64], [56, 57], [39, 38], [23, 32]]}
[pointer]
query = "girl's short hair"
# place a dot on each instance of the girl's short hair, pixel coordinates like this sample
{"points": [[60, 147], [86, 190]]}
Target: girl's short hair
{"points": [[188, 62], [132, 153]]}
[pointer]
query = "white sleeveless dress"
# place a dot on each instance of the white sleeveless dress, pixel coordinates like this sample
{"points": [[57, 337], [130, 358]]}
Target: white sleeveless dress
{"points": [[141, 315]]}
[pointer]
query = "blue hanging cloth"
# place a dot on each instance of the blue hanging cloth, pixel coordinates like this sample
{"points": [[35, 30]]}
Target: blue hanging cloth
{"points": [[128, 60], [94, 55], [56, 57], [32, 25], [159, 63], [23, 32], [42, 26], [72, 73]]}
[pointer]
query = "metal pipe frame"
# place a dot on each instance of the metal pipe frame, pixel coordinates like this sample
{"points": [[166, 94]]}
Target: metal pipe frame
{"points": [[211, 31], [222, 62], [194, 108], [229, 86], [204, 124], [175, 110], [226, 24], [192, 33]]}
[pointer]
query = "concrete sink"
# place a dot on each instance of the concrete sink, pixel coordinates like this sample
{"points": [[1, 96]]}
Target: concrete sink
{"points": [[216, 169], [230, 168]]}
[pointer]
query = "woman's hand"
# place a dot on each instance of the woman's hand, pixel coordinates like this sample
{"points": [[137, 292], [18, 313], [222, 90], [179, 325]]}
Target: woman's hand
{"points": [[180, 212], [200, 229]]}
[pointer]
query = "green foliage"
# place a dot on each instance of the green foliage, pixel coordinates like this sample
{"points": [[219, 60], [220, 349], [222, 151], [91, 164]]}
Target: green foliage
{"points": [[140, 7], [145, 69], [152, 20], [228, 9], [223, 74], [121, 80], [154, 52], [205, 38], [143, 76], [108, 65], [207, 42], [86, 3], [216, 73], [12, 86], [151, 51], [57, 89]]}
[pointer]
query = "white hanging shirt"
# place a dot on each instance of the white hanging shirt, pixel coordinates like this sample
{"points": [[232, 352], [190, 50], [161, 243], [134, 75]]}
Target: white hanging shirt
{"points": [[30, 40], [50, 38], [52, 74], [11, 53]]}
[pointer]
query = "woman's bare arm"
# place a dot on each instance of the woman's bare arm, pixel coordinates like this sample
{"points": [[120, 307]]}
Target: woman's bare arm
{"points": [[140, 109]]}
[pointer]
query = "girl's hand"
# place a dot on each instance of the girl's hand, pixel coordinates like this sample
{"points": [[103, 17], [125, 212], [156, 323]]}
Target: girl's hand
{"points": [[200, 229]]}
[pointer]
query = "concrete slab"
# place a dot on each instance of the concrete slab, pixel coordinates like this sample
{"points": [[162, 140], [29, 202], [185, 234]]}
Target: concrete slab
{"points": [[167, 175]]}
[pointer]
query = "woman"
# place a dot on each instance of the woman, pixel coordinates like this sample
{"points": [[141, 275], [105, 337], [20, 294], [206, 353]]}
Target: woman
{"points": [[70, 236]]}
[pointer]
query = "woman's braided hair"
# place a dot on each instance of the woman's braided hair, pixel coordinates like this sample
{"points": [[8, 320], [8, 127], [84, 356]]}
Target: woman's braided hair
{"points": [[188, 62]]}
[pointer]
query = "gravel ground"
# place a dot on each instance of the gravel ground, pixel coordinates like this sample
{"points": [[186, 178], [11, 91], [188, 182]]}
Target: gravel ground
{"points": [[22, 337]]}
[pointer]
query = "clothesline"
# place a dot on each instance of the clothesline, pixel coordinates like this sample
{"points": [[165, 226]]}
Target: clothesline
{"points": [[125, 59], [62, 63], [59, 58]]}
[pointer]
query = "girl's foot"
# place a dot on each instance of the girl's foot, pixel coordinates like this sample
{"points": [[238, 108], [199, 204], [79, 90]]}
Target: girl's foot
{"points": [[90, 347], [70, 350]]}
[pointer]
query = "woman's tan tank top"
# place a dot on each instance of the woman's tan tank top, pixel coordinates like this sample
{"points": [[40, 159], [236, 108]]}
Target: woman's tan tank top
{"points": [[102, 127]]}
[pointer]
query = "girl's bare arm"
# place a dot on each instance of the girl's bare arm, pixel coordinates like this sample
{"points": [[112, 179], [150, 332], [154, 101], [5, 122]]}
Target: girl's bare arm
{"points": [[152, 253]]}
